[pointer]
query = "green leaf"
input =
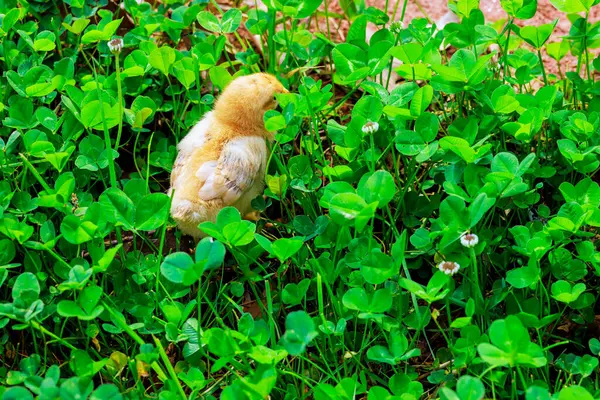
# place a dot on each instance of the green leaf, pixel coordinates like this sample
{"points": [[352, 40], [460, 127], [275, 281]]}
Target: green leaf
{"points": [[470, 388], [10, 19], [306, 8], [572, 6], [285, 248], [231, 20], [17, 393], [184, 71], [511, 345], [505, 162], [377, 187], [463, 8], [77, 231], [521, 9], [421, 100], [511, 6], [220, 77], [83, 365], [537, 36], [209, 21], [44, 41], [210, 254], [368, 108], [106, 391], [300, 330], [118, 207], [356, 299], [7, 251], [558, 50], [91, 117], [152, 211], [350, 62], [175, 266], [523, 277], [575, 392], [162, 58], [344, 208], [565, 293], [40, 89], [293, 294], [409, 53], [26, 288], [77, 26], [239, 233], [96, 35], [460, 147], [504, 100]]}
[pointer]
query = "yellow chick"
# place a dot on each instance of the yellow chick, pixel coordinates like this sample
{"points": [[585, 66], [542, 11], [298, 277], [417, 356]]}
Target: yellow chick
{"points": [[222, 160]]}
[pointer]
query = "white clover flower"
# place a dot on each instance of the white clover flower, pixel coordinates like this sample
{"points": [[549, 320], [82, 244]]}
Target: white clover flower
{"points": [[469, 239], [115, 45], [448, 267], [370, 127], [396, 27]]}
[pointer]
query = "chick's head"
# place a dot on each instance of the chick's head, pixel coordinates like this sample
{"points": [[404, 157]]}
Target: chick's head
{"points": [[246, 99]]}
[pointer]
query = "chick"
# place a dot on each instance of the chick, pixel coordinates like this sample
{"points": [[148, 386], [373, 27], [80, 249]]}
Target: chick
{"points": [[222, 160]]}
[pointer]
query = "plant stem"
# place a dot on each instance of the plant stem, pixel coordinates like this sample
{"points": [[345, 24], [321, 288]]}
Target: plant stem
{"points": [[36, 174], [505, 54], [120, 100], [403, 12], [387, 84], [167, 362], [270, 41], [539, 51], [475, 279], [118, 320]]}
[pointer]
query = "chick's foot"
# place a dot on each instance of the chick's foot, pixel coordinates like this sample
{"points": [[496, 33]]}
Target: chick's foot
{"points": [[252, 216]]}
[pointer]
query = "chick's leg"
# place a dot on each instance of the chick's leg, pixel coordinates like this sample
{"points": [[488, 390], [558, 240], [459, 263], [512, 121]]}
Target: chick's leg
{"points": [[252, 216]]}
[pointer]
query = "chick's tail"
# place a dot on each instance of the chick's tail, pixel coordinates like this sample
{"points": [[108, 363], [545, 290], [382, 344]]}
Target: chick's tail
{"points": [[188, 215]]}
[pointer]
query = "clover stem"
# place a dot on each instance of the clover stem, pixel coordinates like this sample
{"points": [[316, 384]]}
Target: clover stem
{"points": [[40, 327], [539, 51], [165, 359], [523, 380], [475, 280], [120, 99], [585, 51], [449, 314], [505, 54], [387, 84], [442, 332], [35, 173], [373, 160], [270, 42], [120, 322]]}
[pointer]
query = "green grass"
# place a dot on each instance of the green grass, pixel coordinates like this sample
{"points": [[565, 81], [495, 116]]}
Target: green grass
{"points": [[339, 290]]}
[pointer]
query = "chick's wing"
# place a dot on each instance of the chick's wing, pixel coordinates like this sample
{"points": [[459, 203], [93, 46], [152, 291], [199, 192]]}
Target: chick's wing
{"points": [[240, 164]]}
